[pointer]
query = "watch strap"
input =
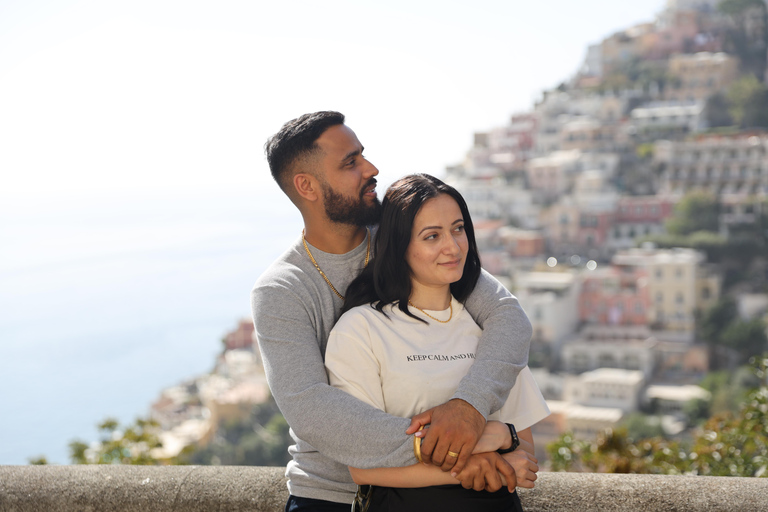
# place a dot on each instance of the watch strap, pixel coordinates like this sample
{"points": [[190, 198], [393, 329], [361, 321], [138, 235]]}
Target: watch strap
{"points": [[515, 440]]}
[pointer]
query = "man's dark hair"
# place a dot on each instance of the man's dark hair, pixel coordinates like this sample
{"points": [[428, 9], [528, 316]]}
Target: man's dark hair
{"points": [[387, 278], [297, 140]]}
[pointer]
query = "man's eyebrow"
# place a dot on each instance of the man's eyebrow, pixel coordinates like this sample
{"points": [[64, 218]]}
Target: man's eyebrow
{"points": [[354, 152]]}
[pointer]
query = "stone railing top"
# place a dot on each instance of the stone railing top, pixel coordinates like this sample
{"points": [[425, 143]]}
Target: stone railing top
{"points": [[257, 489]]}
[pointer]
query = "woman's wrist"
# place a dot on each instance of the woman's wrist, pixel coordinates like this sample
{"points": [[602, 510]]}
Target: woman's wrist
{"points": [[495, 436]]}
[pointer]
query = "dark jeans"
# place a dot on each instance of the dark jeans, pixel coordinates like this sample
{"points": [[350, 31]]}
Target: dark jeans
{"points": [[445, 498], [296, 504]]}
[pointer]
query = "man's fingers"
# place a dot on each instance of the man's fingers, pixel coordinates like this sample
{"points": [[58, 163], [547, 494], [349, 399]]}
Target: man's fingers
{"points": [[451, 457], [461, 462], [439, 454], [508, 471], [420, 420]]}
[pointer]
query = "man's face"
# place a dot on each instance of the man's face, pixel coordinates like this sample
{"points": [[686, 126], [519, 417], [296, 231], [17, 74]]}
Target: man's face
{"points": [[347, 179]]}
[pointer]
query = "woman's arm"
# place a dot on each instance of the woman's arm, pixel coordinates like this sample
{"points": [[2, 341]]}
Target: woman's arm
{"points": [[487, 471], [478, 470]]}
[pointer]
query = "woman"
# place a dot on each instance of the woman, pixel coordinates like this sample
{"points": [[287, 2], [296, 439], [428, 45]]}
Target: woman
{"points": [[405, 341]]}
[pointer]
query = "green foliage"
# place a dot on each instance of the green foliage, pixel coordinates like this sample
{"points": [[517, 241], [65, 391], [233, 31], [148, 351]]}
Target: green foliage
{"points": [[645, 150], [115, 446], [747, 35], [39, 461], [260, 439], [727, 444], [696, 211], [716, 319], [721, 325], [717, 111], [642, 426], [696, 411], [747, 337], [748, 102]]}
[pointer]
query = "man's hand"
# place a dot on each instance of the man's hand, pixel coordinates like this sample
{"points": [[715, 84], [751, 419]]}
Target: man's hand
{"points": [[454, 426], [525, 465], [485, 471]]}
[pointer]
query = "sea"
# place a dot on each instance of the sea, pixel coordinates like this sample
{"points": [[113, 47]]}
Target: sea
{"points": [[106, 299]]}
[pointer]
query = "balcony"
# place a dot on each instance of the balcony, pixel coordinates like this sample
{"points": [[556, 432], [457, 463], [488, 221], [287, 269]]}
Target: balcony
{"points": [[262, 489]]}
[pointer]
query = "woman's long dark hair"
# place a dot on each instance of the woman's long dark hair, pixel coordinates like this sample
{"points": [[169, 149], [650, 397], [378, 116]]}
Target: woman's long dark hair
{"points": [[387, 278]]}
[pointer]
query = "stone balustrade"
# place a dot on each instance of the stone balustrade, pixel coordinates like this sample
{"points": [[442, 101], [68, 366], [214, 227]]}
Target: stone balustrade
{"points": [[262, 489]]}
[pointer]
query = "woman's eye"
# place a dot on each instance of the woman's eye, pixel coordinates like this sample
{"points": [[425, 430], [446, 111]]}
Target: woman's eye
{"points": [[459, 228], [430, 237]]}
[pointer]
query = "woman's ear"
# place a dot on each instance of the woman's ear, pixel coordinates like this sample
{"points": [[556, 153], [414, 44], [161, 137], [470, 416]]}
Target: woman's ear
{"points": [[307, 187]]}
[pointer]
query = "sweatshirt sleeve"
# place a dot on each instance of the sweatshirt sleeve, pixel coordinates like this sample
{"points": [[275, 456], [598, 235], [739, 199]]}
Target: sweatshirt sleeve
{"points": [[502, 351], [335, 423]]}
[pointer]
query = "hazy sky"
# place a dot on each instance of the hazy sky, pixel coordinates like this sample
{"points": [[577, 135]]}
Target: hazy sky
{"points": [[142, 96], [136, 208]]}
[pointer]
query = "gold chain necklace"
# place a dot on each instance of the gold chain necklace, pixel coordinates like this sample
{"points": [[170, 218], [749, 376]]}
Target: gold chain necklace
{"points": [[367, 256], [450, 305]]}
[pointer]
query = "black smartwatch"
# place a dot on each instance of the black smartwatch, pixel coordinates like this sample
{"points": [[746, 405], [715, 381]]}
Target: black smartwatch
{"points": [[515, 440]]}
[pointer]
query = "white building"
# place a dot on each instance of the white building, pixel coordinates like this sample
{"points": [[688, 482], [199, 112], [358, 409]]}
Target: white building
{"points": [[550, 301], [689, 116], [605, 387], [629, 347]]}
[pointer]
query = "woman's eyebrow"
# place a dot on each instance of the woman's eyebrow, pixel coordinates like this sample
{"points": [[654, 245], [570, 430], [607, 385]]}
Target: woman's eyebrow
{"points": [[438, 227]]}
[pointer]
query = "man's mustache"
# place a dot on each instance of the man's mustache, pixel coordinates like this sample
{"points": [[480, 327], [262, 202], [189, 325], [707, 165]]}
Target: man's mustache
{"points": [[368, 183]]}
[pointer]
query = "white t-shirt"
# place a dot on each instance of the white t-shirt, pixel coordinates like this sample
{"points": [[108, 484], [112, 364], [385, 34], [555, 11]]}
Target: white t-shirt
{"points": [[403, 366]]}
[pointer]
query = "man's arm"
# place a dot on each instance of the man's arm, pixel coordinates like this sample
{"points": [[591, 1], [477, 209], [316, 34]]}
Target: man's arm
{"points": [[503, 348], [502, 353], [336, 424]]}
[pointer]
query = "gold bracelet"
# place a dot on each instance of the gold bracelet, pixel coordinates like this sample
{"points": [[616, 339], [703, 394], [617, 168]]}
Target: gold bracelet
{"points": [[417, 445]]}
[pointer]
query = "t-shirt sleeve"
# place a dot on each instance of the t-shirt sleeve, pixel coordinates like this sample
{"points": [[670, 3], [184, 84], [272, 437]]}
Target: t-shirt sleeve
{"points": [[351, 363], [526, 405], [502, 351], [335, 423]]}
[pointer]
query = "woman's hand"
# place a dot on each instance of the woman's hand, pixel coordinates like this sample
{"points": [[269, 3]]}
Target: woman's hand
{"points": [[487, 471], [526, 466]]}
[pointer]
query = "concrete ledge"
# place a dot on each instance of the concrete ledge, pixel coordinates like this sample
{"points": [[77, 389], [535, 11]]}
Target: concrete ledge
{"points": [[256, 489]]}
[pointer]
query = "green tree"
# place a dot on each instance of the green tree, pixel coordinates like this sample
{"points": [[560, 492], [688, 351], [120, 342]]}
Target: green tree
{"points": [[696, 211], [717, 112], [260, 439], [748, 102], [642, 426], [727, 445], [714, 321], [747, 337], [133, 445], [747, 35]]}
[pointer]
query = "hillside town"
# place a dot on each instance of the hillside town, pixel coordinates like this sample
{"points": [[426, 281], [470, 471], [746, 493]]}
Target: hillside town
{"points": [[623, 209]]}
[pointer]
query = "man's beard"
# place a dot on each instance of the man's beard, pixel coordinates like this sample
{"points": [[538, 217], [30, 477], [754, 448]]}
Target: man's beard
{"points": [[349, 210]]}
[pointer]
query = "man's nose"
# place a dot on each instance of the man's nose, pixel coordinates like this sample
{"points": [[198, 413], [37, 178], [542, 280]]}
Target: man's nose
{"points": [[371, 170]]}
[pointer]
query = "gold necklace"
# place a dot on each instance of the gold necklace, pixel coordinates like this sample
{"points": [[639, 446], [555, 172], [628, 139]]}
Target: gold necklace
{"points": [[450, 305], [367, 255]]}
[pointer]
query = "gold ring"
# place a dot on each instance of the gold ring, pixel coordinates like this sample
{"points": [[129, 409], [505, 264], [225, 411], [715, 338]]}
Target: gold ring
{"points": [[453, 454]]}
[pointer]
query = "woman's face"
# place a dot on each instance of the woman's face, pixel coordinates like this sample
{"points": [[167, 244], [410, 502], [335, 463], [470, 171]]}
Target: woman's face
{"points": [[438, 248]]}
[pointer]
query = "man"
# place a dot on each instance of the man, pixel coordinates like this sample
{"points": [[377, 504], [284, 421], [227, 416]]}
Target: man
{"points": [[318, 162]]}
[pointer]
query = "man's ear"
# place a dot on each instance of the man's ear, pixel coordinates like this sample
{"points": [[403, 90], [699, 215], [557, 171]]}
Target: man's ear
{"points": [[307, 186]]}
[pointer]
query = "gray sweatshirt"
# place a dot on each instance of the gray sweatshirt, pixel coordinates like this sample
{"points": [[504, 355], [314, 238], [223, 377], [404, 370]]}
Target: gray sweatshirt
{"points": [[294, 309]]}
